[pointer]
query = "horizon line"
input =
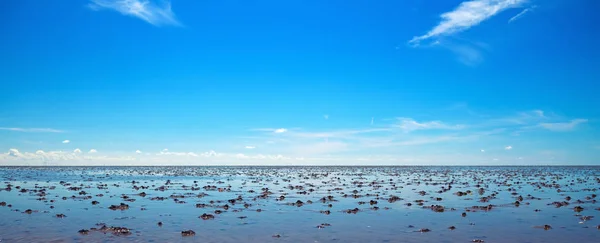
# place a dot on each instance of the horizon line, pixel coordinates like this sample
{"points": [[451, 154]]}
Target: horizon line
{"points": [[548, 165]]}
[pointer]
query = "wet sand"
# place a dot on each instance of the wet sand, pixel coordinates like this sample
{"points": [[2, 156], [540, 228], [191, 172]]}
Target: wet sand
{"points": [[299, 204]]}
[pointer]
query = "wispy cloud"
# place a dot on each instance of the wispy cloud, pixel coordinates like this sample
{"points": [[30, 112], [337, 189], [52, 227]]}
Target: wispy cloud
{"points": [[272, 130], [92, 151], [409, 125], [521, 118], [563, 126], [326, 117], [519, 15], [66, 141], [508, 147], [250, 147], [143, 9], [336, 133], [539, 113], [466, 53], [18, 129], [465, 16], [138, 151]]}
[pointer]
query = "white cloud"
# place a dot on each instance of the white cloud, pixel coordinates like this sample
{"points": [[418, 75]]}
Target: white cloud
{"points": [[14, 152], [165, 152], [211, 153], [18, 129], [93, 151], [40, 157], [250, 147], [519, 15], [280, 130], [142, 9], [66, 141], [138, 151], [508, 147], [483, 151], [467, 15], [409, 125], [563, 126]]}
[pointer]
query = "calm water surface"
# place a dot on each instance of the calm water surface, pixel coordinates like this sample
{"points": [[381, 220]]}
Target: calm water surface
{"points": [[265, 203]]}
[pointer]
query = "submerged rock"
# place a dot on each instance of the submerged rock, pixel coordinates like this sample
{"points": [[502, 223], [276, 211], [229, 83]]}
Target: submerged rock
{"points": [[188, 233], [206, 216], [121, 206]]}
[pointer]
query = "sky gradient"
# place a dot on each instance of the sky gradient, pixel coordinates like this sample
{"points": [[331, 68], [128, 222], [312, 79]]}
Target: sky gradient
{"points": [[229, 82]]}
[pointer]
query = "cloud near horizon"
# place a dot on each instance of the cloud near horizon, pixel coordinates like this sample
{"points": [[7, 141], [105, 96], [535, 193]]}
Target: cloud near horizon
{"points": [[16, 158], [395, 140]]}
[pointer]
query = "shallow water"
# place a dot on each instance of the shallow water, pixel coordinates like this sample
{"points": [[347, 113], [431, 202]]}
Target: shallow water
{"points": [[261, 188]]}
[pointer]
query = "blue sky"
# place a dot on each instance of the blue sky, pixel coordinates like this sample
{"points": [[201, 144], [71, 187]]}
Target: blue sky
{"points": [[416, 82]]}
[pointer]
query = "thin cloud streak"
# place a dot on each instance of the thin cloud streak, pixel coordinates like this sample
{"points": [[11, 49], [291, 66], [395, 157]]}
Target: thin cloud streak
{"points": [[18, 129], [142, 9], [563, 126], [519, 15], [409, 125]]}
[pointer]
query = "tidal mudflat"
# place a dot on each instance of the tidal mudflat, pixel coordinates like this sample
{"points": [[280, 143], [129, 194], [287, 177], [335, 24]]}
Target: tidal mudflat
{"points": [[299, 204]]}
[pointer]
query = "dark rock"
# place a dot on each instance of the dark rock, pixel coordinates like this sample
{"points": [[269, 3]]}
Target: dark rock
{"points": [[207, 216], [121, 206], [188, 233]]}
